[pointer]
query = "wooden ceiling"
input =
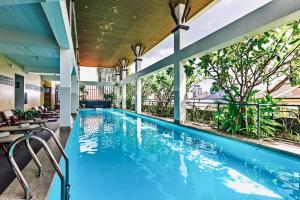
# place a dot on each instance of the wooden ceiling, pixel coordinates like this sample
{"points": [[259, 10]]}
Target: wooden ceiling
{"points": [[107, 28]]}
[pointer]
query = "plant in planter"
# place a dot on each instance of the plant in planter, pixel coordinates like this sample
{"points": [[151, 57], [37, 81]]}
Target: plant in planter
{"points": [[26, 115], [83, 94], [111, 98]]}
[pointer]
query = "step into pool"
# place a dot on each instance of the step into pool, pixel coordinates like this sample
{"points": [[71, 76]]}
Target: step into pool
{"points": [[117, 155]]}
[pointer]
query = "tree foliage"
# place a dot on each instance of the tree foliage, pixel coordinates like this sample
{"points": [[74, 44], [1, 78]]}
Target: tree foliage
{"points": [[83, 93], [243, 119], [160, 87], [130, 96], [240, 68]]}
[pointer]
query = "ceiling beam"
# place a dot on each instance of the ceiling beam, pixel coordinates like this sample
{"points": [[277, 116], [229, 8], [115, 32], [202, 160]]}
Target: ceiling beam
{"points": [[53, 12], [271, 15], [13, 49], [41, 69], [17, 2], [96, 83], [50, 77], [26, 39], [267, 17], [57, 14], [35, 60]]}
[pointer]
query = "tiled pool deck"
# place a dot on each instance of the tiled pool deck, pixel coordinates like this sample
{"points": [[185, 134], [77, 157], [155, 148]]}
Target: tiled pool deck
{"points": [[288, 147]]}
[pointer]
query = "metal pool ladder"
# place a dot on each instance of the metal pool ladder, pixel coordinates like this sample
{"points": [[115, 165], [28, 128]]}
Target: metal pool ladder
{"points": [[65, 187]]}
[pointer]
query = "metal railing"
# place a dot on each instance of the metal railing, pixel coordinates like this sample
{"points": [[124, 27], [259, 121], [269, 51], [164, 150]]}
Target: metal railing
{"points": [[17, 171], [65, 186], [285, 110], [288, 115], [96, 92], [158, 108], [61, 149]]}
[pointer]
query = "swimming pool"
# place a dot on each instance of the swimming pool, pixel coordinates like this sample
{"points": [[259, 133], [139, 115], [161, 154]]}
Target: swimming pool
{"points": [[117, 155]]}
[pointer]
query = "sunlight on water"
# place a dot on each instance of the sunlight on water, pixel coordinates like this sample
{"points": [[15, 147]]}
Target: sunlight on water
{"points": [[242, 184], [88, 144]]}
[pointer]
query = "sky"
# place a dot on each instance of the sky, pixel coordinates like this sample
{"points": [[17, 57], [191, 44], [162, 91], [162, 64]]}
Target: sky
{"points": [[216, 17]]}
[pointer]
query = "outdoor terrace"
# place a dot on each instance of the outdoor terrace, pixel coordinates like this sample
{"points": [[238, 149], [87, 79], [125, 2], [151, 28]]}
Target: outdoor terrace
{"points": [[162, 125]]}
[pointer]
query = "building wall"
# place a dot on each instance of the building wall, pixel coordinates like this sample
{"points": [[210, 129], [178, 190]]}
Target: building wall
{"points": [[290, 101], [33, 84]]}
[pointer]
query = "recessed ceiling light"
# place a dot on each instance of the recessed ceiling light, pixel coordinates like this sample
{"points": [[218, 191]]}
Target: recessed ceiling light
{"points": [[115, 10], [86, 6]]}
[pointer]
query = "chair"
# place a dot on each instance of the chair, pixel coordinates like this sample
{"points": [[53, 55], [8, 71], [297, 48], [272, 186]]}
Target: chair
{"points": [[8, 140], [46, 114], [48, 110], [51, 117]]}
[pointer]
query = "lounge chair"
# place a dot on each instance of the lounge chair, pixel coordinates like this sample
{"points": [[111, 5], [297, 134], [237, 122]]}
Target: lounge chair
{"points": [[7, 139], [13, 120], [14, 129], [47, 110], [48, 115], [10, 138]]}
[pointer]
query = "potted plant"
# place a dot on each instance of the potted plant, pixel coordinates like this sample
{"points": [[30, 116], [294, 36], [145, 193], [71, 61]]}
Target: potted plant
{"points": [[110, 97], [83, 94], [26, 115]]}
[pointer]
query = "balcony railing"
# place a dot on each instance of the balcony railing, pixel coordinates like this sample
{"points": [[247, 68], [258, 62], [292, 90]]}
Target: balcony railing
{"points": [[204, 114]]}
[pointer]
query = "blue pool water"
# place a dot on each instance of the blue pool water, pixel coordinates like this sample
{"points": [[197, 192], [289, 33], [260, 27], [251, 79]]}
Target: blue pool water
{"points": [[116, 155]]}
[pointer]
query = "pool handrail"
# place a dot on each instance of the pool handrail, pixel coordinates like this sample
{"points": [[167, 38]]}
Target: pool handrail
{"points": [[19, 175], [61, 149]]}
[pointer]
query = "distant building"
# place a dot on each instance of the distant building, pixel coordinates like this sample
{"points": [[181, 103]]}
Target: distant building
{"points": [[197, 91], [218, 96], [284, 90]]}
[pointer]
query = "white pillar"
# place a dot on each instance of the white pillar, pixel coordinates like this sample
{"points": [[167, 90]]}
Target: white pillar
{"points": [[138, 51], [116, 87], [179, 72], [138, 87], [124, 64], [75, 94], [124, 73], [65, 87]]}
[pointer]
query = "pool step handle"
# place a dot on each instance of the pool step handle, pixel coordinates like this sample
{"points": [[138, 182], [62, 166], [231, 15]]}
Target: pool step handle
{"points": [[19, 175]]}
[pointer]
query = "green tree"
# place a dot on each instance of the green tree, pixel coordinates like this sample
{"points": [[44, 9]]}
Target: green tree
{"points": [[83, 93], [240, 68], [130, 96], [161, 87]]}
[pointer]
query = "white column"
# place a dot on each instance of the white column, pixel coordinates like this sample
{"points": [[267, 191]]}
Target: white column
{"points": [[138, 50], [74, 94], [65, 87], [138, 87], [179, 72], [124, 73], [116, 87], [124, 64]]}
